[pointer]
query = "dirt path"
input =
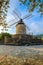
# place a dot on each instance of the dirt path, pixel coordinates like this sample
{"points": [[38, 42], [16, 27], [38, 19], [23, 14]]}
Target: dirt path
{"points": [[20, 50]]}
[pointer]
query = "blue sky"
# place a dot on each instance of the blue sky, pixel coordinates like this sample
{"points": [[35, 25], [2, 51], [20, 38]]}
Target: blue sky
{"points": [[35, 23]]}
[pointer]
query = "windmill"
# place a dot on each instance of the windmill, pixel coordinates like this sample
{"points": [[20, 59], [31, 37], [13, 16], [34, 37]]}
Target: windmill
{"points": [[20, 25], [20, 29]]}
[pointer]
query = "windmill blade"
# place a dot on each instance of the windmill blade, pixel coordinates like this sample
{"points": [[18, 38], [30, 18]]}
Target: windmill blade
{"points": [[12, 24], [11, 20], [28, 16], [8, 26], [16, 14]]}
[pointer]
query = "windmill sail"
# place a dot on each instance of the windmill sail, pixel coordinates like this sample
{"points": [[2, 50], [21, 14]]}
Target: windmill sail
{"points": [[16, 14], [27, 16]]}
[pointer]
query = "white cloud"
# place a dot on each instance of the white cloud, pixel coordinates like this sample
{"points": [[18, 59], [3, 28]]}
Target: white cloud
{"points": [[36, 28]]}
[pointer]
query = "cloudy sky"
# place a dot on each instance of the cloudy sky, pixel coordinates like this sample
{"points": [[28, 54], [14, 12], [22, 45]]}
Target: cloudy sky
{"points": [[34, 23]]}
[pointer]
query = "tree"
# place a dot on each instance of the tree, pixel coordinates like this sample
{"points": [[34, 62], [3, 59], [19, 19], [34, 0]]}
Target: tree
{"points": [[33, 4], [3, 35], [4, 4]]}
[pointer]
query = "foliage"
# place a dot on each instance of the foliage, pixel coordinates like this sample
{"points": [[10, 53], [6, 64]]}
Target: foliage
{"points": [[39, 36], [0, 36], [33, 4], [5, 34], [4, 4]]}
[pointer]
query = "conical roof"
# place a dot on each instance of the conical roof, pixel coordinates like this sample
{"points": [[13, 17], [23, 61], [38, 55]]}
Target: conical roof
{"points": [[20, 22]]}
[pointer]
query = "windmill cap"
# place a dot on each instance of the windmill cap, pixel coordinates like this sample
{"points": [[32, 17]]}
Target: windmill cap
{"points": [[20, 22]]}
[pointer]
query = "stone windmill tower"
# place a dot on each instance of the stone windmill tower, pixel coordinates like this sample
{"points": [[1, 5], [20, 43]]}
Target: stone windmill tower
{"points": [[20, 27]]}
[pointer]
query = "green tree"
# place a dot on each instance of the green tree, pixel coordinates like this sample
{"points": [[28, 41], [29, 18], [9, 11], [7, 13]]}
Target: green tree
{"points": [[4, 4], [33, 4], [2, 35]]}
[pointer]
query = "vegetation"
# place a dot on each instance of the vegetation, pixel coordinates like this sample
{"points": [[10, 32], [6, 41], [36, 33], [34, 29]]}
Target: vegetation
{"points": [[33, 4], [39, 36], [4, 4], [10, 60], [2, 37]]}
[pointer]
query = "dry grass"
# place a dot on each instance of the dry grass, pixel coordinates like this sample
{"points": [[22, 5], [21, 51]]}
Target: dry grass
{"points": [[10, 60]]}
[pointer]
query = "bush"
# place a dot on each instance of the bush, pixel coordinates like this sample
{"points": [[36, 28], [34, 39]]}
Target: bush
{"points": [[2, 35]]}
